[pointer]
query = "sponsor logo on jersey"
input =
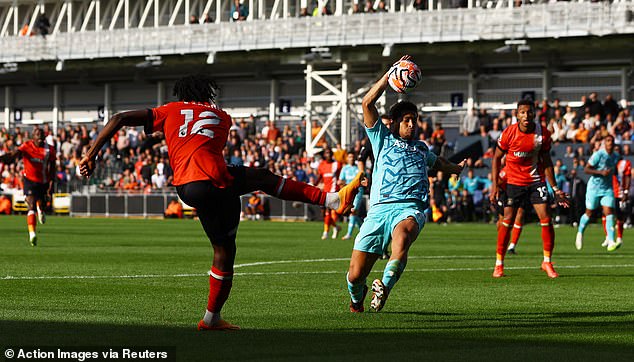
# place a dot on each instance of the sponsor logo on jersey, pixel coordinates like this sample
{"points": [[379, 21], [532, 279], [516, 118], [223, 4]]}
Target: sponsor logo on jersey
{"points": [[522, 154]]}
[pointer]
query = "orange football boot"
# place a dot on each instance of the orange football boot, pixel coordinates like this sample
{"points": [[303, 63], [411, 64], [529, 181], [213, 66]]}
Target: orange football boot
{"points": [[498, 272], [550, 271], [220, 326], [348, 192]]}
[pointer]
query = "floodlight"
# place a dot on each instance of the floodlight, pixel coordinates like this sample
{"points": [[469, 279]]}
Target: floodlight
{"points": [[387, 50]]}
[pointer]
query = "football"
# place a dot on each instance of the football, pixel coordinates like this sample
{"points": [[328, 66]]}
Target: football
{"points": [[404, 76]]}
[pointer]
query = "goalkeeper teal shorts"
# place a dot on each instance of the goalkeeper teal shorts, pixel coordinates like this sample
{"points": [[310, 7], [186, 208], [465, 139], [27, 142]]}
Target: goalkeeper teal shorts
{"points": [[376, 232]]}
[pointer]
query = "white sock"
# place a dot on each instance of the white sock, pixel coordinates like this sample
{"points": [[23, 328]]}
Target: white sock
{"points": [[512, 246], [332, 200], [31, 234], [498, 262], [211, 318], [547, 259]]}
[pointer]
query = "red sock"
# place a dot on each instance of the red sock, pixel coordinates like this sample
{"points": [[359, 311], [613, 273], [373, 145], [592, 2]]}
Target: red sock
{"points": [[504, 235], [31, 221], [515, 234], [219, 287], [603, 222], [327, 220], [619, 229], [548, 236], [298, 191]]}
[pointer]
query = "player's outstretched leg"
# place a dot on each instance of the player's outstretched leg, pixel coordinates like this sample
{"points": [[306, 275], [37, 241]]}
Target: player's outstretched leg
{"points": [[287, 189], [348, 193]]}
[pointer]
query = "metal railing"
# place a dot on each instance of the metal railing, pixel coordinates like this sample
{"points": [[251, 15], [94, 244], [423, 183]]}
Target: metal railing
{"points": [[451, 25]]}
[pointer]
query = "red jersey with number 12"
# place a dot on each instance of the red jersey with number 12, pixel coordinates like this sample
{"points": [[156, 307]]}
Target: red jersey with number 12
{"points": [[37, 161], [195, 133], [523, 154]]}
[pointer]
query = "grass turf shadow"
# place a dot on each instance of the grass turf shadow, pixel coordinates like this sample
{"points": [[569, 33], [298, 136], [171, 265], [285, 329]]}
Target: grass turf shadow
{"points": [[318, 345]]}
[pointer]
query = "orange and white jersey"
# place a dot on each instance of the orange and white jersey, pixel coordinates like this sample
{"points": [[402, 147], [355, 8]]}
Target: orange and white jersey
{"points": [[37, 161], [523, 154], [329, 171]]}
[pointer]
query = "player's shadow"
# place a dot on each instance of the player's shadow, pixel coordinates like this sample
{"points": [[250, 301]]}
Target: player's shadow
{"points": [[602, 314], [423, 314], [421, 340]]}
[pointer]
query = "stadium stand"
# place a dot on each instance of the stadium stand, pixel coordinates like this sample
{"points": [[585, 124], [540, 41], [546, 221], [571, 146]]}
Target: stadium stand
{"points": [[305, 73]]}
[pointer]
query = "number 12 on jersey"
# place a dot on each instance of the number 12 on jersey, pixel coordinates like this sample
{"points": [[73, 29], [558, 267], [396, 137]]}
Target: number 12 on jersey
{"points": [[204, 119]]}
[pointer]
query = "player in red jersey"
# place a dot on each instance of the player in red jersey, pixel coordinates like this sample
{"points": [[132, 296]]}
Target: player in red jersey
{"points": [[621, 184], [528, 164], [196, 132], [328, 172], [39, 173]]}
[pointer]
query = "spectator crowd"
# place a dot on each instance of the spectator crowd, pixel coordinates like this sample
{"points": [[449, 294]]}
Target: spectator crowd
{"points": [[133, 162]]}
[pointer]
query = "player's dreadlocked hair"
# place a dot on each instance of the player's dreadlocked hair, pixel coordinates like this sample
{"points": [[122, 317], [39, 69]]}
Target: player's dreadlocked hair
{"points": [[196, 88]]}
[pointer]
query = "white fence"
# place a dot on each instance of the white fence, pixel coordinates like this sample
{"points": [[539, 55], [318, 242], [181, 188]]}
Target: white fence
{"points": [[451, 25]]}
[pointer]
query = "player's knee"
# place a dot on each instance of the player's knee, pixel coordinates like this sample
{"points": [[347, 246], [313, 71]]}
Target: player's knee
{"points": [[545, 221], [355, 276]]}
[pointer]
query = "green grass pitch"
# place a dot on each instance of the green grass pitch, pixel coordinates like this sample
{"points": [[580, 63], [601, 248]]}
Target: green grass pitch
{"points": [[116, 282]]}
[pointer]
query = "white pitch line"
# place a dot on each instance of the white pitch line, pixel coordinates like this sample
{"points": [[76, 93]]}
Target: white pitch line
{"points": [[288, 262], [141, 276], [417, 257]]}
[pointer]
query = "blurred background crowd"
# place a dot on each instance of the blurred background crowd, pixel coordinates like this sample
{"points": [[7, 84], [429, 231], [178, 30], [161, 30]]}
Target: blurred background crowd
{"points": [[137, 163]]}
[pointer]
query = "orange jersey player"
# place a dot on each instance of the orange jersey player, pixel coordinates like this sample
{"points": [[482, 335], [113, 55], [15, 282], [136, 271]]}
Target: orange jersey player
{"points": [[528, 166], [196, 132], [39, 173], [328, 172]]}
